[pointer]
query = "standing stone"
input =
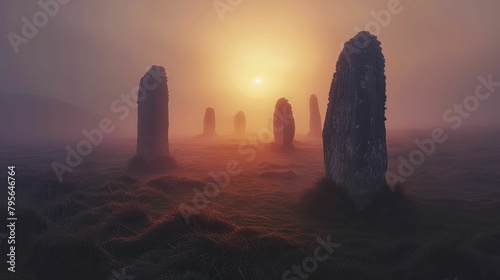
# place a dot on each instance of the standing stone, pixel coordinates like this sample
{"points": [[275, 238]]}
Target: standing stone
{"points": [[209, 122], [240, 123], [283, 123], [314, 117], [354, 135], [152, 110]]}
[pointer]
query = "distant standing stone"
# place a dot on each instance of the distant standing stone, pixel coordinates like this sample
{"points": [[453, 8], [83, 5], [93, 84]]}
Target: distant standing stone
{"points": [[283, 123], [354, 135], [240, 123], [209, 122], [314, 117], [152, 110]]}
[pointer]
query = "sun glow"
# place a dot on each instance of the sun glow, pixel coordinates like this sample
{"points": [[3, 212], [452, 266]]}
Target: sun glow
{"points": [[258, 81], [258, 71]]}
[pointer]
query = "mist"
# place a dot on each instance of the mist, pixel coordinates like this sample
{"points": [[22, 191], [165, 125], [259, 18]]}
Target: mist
{"points": [[92, 54]]}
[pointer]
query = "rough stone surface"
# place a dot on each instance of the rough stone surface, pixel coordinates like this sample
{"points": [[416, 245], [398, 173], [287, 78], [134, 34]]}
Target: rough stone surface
{"points": [[283, 123], [152, 110], [354, 135], [209, 122], [314, 117], [240, 123]]}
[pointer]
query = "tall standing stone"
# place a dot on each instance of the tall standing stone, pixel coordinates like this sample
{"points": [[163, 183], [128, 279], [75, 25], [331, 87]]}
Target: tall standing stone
{"points": [[240, 123], [152, 110], [283, 123], [209, 122], [314, 117], [354, 135]]}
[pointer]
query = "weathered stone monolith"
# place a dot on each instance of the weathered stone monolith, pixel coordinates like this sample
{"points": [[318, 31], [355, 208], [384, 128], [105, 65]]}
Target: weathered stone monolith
{"points": [[314, 117], [209, 122], [240, 123], [152, 110], [283, 123], [354, 135]]}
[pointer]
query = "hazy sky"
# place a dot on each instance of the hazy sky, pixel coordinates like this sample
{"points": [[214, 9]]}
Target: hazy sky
{"points": [[92, 52]]}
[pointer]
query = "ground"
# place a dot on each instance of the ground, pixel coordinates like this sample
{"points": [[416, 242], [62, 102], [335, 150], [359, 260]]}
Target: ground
{"points": [[107, 222]]}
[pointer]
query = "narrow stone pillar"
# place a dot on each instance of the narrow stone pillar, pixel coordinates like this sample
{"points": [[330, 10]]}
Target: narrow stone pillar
{"points": [[240, 123], [152, 110], [314, 117], [283, 123], [209, 122]]}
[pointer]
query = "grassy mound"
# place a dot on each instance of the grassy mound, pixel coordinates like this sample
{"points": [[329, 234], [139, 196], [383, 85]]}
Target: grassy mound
{"points": [[390, 210]]}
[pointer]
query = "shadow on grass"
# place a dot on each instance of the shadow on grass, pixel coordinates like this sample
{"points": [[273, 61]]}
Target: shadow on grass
{"points": [[390, 210], [66, 256], [273, 147], [140, 165]]}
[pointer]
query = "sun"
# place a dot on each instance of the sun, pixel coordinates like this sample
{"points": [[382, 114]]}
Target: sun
{"points": [[257, 81]]}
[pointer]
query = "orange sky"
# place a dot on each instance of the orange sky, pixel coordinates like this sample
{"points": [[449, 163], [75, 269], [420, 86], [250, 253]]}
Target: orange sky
{"points": [[92, 52]]}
